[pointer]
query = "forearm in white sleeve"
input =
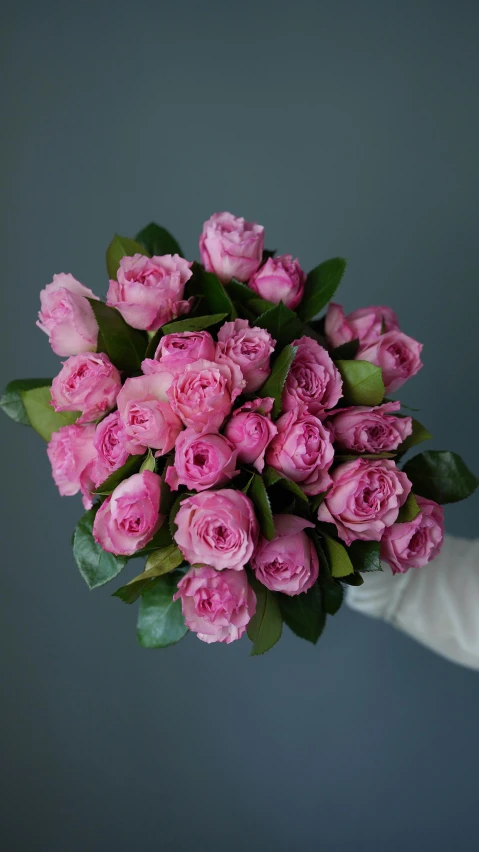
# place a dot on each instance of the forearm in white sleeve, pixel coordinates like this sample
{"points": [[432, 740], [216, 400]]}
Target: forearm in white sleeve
{"points": [[438, 604]]}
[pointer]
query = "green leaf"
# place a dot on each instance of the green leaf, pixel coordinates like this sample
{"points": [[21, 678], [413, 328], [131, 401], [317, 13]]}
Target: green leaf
{"points": [[162, 538], [266, 626], [260, 306], [304, 613], [158, 241], [124, 345], [131, 466], [149, 462], [193, 323], [419, 433], [97, 567], [282, 324], [320, 287], [409, 510], [272, 477], [441, 476], [159, 562], [129, 594], [274, 384], [365, 555], [118, 248], [355, 579], [332, 590], [11, 401], [259, 496], [216, 295], [241, 293], [338, 558], [160, 620], [41, 414], [346, 352], [362, 382]]}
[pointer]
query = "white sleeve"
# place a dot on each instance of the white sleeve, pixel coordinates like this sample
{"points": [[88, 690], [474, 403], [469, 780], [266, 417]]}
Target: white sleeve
{"points": [[438, 604]]}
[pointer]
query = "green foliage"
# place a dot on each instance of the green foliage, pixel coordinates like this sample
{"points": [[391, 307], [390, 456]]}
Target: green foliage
{"points": [[118, 248], [441, 476], [266, 626], [193, 323], [97, 567], [362, 382], [158, 563], [365, 555], [274, 384], [148, 463], [409, 510], [273, 477], [419, 433], [338, 558], [11, 401], [304, 613], [320, 287], [283, 324], [259, 496], [41, 414], [124, 345], [158, 241], [160, 620], [131, 466], [216, 295]]}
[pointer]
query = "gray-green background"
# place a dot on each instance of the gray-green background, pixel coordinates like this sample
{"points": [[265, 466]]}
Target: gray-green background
{"points": [[345, 128]]}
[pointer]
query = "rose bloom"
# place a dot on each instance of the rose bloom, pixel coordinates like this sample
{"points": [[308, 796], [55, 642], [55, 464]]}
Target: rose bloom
{"points": [[203, 394], [67, 317], [202, 461], [369, 430], [231, 247], [147, 415], [364, 499], [130, 517], [72, 453], [217, 528], [87, 383], [302, 450], [185, 347], [110, 446], [280, 279], [251, 429], [313, 380], [217, 606], [249, 348], [414, 543], [365, 324], [289, 563], [398, 355], [149, 290]]}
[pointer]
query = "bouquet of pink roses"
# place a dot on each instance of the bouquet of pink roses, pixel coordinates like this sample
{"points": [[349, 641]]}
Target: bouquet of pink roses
{"points": [[243, 447]]}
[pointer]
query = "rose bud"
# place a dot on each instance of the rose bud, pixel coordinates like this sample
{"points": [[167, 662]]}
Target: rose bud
{"points": [[249, 348], [72, 453], [147, 415], [251, 429], [280, 279], [302, 451], [202, 461], [369, 430], [203, 394], [398, 356], [87, 383], [130, 517], [313, 380], [289, 563], [110, 445], [231, 247], [149, 290], [216, 605], [365, 324], [414, 543], [67, 316]]}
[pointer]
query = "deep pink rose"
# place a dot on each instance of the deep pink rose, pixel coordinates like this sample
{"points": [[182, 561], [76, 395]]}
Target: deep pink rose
{"points": [[67, 317], [203, 394], [365, 324], [72, 453], [289, 563], [130, 517], [87, 383], [185, 347], [202, 461], [147, 415], [110, 445], [369, 430], [217, 528], [231, 247], [313, 380], [149, 290], [249, 348], [217, 605], [364, 499], [398, 355], [251, 429], [280, 279], [415, 543], [302, 451]]}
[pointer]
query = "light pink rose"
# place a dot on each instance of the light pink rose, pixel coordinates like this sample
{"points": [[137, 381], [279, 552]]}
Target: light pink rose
{"points": [[289, 563], [313, 380], [72, 453], [217, 606], [365, 324], [88, 383], [369, 430], [398, 355], [67, 317], [185, 347], [110, 445], [130, 517], [302, 451], [249, 348], [217, 528], [203, 394], [280, 279], [202, 461], [415, 543], [231, 247], [149, 290], [251, 429], [364, 499], [147, 415]]}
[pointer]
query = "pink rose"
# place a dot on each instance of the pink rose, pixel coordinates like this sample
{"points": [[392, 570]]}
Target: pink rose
{"points": [[147, 415], [364, 499], [415, 543], [231, 247], [202, 461], [280, 279], [203, 394], [369, 430], [313, 380], [302, 451], [149, 290], [110, 445], [398, 355], [251, 429], [289, 563], [88, 383], [130, 517], [185, 347], [217, 606], [365, 324], [217, 528], [71, 452], [249, 348], [67, 317]]}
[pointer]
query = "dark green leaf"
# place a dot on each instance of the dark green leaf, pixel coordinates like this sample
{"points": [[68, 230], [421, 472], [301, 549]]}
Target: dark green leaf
{"points": [[158, 241], [332, 590], [365, 555], [162, 538], [97, 567], [266, 626], [160, 620], [441, 476], [408, 511], [41, 414], [419, 433], [346, 352], [193, 323], [267, 253], [272, 477], [129, 594], [342, 457], [320, 287], [159, 562], [131, 466], [304, 613], [11, 401], [259, 496], [274, 384], [353, 579], [362, 382], [216, 295], [260, 306], [118, 248], [283, 325], [124, 345], [338, 558], [239, 292]]}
